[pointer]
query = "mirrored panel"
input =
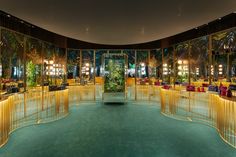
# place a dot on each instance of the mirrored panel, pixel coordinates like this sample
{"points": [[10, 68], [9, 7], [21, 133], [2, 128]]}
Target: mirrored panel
{"points": [[12, 61], [199, 59], [142, 73], [182, 63], [223, 60], [168, 66], [73, 66], [87, 67]]}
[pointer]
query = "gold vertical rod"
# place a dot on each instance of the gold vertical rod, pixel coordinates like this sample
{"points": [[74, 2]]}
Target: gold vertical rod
{"points": [[135, 74], [24, 65], [42, 74], [210, 58], [94, 74], [148, 64]]}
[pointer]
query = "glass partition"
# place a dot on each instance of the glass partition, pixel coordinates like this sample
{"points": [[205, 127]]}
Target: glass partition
{"points": [[182, 63], [87, 69], [98, 61], [155, 64], [223, 62], [48, 70], [59, 65], [73, 66], [233, 65], [33, 62], [199, 61], [12, 61], [131, 63], [131, 72], [114, 77], [142, 74], [168, 66]]}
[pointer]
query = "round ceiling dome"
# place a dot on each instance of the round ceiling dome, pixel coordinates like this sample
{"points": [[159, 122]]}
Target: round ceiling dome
{"points": [[118, 22]]}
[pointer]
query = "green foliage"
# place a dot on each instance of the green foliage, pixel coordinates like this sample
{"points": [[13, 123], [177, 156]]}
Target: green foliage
{"points": [[12, 51], [115, 80], [31, 74], [182, 78]]}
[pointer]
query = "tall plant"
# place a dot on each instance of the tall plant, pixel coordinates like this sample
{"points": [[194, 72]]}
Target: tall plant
{"points": [[31, 74]]}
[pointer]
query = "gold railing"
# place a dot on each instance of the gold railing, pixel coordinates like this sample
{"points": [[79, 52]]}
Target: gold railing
{"points": [[223, 110], [74, 94], [208, 108], [33, 107], [87, 93], [81, 93], [142, 92]]}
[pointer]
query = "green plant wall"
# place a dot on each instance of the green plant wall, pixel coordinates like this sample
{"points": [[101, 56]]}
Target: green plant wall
{"points": [[31, 74], [115, 77]]}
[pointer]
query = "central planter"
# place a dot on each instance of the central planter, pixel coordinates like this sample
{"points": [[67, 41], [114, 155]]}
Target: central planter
{"points": [[114, 77]]}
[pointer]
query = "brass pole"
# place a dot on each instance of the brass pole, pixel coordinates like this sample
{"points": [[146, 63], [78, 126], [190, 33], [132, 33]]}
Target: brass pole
{"points": [[24, 65], [135, 74], [148, 64], [42, 73], [24, 72]]}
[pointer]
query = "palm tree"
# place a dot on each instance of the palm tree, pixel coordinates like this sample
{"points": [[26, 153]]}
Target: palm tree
{"points": [[225, 43]]}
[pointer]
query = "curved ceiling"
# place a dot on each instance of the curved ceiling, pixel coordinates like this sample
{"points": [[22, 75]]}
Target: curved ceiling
{"points": [[118, 21]]}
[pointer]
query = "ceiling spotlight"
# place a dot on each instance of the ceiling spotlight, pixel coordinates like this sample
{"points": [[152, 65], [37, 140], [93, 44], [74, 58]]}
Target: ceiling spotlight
{"points": [[21, 21], [8, 15], [219, 18]]}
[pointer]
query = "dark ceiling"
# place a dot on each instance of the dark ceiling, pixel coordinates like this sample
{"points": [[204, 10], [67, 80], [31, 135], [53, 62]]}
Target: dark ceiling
{"points": [[118, 21]]}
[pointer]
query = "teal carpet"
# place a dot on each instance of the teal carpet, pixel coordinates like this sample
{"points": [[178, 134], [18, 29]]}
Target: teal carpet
{"points": [[131, 130]]}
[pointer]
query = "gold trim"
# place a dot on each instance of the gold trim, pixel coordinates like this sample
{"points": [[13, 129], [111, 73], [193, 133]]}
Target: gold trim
{"points": [[206, 108], [24, 109]]}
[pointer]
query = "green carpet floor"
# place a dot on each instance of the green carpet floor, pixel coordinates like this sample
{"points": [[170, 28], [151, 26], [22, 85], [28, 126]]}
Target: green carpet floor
{"points": [[131, 130]]}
